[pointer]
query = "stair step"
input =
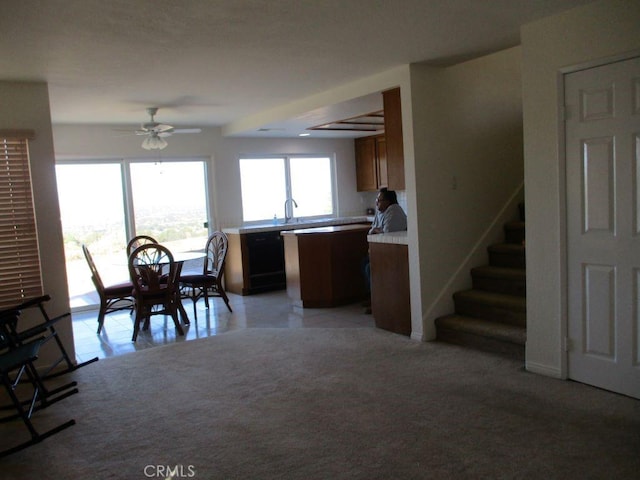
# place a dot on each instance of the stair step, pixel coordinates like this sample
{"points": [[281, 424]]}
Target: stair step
{"points": [[497, 307], [514, 232], [511, 281], [508, 255], [482, 334]]}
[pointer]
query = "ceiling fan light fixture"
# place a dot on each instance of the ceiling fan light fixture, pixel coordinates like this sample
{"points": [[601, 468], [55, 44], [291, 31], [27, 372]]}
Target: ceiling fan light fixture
{"points": [[154, 142]]}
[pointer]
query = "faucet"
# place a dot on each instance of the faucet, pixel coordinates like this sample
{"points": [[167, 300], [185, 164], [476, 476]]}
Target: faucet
{"points": [[286, 212]]}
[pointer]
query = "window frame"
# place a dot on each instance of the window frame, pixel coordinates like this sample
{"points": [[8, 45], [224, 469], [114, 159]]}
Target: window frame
{"points": [[288, 187]]}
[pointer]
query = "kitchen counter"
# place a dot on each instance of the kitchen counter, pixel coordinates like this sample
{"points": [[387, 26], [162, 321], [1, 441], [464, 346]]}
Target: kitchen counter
{"points": [[255, 258], [332, 229], [297, 224], [324, 264], [390, 298], [397, 238]]}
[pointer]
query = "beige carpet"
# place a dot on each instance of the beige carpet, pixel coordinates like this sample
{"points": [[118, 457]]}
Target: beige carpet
{"points": [[328, 404]]}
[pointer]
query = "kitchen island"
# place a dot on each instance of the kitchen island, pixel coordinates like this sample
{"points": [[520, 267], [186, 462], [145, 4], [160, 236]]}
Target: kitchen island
{"points": [[255, 258], [324, 265]]}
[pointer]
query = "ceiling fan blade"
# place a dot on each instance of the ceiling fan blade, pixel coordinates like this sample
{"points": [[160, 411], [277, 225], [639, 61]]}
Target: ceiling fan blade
{"points": [[161, 127], [164, 134], [187, 130]]}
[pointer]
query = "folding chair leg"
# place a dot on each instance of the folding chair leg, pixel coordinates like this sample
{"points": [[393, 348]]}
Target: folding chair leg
{"points": [[21, 359], [63, 351], [45, 330], [42, 394], [36, 438]]}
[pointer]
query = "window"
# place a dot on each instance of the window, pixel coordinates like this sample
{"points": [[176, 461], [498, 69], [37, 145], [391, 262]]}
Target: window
{"points": [[19, 256], [267, 182], [104, 203]]}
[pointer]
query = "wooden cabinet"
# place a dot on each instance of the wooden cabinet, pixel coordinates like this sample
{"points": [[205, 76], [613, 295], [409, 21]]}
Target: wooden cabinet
{"points": [[380, 158], [393, 137], [390, 301], [324, 265], [371, 163]]}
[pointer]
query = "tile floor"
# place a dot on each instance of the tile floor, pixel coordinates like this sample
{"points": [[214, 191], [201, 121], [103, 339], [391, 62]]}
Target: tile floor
{"points": [[266, 310]]}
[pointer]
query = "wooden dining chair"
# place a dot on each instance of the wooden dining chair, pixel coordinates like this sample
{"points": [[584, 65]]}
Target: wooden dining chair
{"points": [[209, 282], [138, 241], [154, 275], [113, 298]]}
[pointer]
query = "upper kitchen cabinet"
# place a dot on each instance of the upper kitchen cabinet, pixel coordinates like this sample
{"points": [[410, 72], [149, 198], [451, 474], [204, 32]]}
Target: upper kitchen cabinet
{"points": [[380, 158], [371, 163], [393, 137]]}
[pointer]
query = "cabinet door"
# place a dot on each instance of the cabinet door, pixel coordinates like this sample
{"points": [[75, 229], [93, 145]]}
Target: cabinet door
{"points": [[366, 171], [381, 161], [393, 134]]}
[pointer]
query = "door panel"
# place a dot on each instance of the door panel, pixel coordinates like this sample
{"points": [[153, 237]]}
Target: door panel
{"points": [[603, 241], [92, 213]]}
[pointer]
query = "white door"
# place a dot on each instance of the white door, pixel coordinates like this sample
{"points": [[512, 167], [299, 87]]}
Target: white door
{"points": [[603, 225]]}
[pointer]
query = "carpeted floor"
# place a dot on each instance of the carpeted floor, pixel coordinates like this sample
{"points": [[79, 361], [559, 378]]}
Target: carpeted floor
{"points": [[327, 404]]}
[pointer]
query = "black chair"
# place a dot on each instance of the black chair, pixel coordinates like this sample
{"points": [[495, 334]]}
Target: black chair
{"points": [[138, 241], [18, 361], [113, 298], [209, 282], [154, 275], [15, 335]]}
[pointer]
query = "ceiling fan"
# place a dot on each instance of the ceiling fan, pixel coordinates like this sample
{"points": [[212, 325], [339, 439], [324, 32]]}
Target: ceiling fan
{"points": [[156, 132]]}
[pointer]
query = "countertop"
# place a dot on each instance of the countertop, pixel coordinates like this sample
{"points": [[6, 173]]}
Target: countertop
{"points": [[298, 225], [328, 229], [398, 238]]}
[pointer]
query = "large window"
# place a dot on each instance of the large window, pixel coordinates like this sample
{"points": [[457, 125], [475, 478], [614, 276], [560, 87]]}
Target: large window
{"points": [[267, 182], [103, 204]]}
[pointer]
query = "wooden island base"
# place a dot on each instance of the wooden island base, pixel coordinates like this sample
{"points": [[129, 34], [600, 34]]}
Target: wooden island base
{"points": [[324, 265], [390, 299]]}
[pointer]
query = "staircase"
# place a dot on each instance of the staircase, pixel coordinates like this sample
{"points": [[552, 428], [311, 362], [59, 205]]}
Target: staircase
{"points": [[492, 316]]}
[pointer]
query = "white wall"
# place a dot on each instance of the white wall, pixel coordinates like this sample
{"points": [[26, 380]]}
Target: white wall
{"points": [[26, 106], [580, 37], [467, 128]]}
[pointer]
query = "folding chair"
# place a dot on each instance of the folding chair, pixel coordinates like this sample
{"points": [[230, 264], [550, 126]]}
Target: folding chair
{"points": [[9, 323], [21, 359]]}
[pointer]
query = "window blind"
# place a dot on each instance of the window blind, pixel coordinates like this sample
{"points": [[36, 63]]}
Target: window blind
{"points": [[20, 275]]}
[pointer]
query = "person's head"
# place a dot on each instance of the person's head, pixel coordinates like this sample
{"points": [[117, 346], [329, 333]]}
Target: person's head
{"points": [[385, 198]]}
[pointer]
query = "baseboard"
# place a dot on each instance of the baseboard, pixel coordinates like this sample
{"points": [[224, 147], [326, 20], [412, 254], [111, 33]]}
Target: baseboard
{"points": [[546, 370], [418, 336]]}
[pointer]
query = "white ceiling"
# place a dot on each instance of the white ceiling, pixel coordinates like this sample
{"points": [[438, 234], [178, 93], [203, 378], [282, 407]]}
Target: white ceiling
{"points": [[211, 62]]}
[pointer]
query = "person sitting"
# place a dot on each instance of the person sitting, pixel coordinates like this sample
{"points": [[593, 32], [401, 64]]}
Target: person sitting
{"points": [[390, 217]]}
